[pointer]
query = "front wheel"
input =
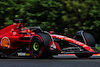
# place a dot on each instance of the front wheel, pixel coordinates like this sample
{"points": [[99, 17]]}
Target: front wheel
{"points": [[39, 46], [36, 48]]}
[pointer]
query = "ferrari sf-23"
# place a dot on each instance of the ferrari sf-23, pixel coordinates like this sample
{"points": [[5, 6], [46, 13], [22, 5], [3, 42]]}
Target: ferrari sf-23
{"points": [[37, 43]]}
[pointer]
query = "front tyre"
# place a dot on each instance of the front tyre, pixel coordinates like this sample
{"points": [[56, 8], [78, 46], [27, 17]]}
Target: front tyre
{"points": [[36, 48], [39, 46]]}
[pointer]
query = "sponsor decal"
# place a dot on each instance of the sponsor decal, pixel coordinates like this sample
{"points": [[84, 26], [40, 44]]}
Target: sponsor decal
{"points": [[14, 33], [14, 23], [68, 38]]}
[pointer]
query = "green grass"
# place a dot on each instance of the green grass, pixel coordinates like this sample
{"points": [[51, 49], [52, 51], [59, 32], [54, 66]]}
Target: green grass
{"points": [[98, 48]]}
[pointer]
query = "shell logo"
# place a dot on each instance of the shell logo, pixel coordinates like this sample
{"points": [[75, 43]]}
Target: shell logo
{"points": [[5, 42]]}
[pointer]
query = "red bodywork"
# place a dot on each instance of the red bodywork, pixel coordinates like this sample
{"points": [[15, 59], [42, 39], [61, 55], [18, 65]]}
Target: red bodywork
{"points": [[74, 41], [16, 40], [13, 37]]}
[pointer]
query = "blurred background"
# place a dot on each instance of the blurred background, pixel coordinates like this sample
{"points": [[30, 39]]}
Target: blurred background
{"points": [[62, 16]]}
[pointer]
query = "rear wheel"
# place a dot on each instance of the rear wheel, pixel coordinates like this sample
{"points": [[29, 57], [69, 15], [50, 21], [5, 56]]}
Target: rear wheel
{"points": [[87, 39], [39, 49]]}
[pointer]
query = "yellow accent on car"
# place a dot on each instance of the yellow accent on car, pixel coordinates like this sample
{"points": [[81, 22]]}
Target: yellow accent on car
{"points": [[27, 54], [61, 38], [62, 52], [28, 30]]}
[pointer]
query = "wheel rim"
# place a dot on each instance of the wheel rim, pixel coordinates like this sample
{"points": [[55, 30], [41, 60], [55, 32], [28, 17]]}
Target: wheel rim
{"points": [[36, 46], [36, 49]]}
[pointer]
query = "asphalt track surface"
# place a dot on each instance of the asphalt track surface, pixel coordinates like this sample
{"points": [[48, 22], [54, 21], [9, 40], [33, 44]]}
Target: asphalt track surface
{"points": [[57, 61]]}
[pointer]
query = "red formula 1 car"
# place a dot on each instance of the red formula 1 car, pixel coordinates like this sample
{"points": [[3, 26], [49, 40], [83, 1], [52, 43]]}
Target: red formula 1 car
{"points": [[38, 43]]}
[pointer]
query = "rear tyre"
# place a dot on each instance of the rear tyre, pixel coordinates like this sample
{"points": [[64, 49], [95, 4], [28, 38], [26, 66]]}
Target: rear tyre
{"points": [[87, 39], [39, 49]]}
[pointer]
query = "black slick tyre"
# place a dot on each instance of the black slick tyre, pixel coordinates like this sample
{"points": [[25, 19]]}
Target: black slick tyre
{"points": [[39, 46], [87, 39]]}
